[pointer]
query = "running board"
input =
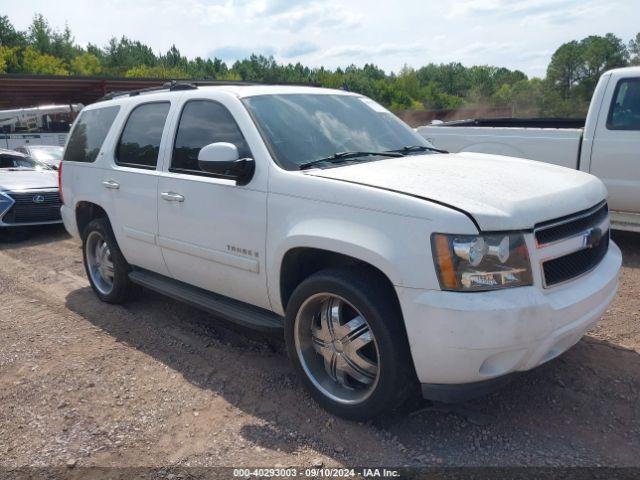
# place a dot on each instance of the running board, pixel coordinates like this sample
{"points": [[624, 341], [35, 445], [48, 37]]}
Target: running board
{"points": [[223, 307]]}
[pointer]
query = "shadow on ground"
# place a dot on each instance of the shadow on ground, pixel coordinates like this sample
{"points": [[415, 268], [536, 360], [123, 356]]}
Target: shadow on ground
{"points": [[11, 238]]}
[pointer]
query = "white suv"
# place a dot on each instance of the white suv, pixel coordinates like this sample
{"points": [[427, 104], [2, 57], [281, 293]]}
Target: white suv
{"points": [[387, 264]]}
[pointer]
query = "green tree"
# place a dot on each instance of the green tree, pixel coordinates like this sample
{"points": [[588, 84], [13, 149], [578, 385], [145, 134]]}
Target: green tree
{"points": [[9, 62], [174, 59], [407, 81], [599, 55], [451, 78], [39, 34], [158, 71], [86, 64], [9, 36], [576, 67], [503, 96], [63, 45], [566, 68], [603, 53], [124, 54], [634, 50], [42, 63]]}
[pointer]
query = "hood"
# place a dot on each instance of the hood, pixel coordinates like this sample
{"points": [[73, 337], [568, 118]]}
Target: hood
{"points": [[500, 193], [27, 179]]}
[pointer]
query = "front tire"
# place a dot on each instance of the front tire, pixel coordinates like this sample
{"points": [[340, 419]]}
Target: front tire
{"points": [[344, 334], [106, 267]]}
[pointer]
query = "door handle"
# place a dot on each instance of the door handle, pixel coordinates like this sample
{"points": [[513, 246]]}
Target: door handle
{"points": [[111, 184], [172, 197]]}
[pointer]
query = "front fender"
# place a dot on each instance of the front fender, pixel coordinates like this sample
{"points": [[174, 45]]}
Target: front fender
{"points": [[390, 243], [349, 238]]}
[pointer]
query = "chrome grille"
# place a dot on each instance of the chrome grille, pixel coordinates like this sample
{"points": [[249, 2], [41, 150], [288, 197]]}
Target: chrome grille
{"points": [[33, 207], [570, 266], [580, 241], [566, 227]]}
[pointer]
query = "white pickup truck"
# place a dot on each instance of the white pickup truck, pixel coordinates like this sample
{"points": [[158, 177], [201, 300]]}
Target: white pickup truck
{"points": [[319, 215], [607, 145]]}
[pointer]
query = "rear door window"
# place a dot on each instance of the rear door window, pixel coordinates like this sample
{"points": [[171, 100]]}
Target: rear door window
{"points": [[624, 113], [139, 143], [88, 134]]}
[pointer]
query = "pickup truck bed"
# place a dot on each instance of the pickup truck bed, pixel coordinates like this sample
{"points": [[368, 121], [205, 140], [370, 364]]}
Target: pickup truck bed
{"points": [[605, 144], [518, 122], [555, 145]]}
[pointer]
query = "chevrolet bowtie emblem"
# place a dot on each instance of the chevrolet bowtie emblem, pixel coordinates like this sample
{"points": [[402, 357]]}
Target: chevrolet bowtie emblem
{"points": [[591, 238]]}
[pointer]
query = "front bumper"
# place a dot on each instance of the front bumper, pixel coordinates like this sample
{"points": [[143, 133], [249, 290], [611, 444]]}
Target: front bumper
{"points": [[465, 338]]}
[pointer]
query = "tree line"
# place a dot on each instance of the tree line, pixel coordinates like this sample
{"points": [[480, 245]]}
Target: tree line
{"points": [[571, 75]]}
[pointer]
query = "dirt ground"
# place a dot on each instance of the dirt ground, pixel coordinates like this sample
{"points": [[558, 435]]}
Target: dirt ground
{"points": [[158, 383]]}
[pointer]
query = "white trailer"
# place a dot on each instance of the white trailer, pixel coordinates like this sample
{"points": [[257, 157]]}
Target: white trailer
{"points": [[43, 125]]}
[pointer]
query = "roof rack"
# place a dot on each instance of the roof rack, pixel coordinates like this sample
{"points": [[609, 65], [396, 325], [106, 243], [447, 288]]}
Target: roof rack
{"points": [[175, 85], [171, 86]]}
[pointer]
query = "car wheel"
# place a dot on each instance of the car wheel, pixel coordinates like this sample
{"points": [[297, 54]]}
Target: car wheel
{"points": [[106, 267], [345, 336]]}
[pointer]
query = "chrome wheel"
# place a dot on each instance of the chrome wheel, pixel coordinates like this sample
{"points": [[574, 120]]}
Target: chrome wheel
{"points": [[99, 263], [336, 348]]}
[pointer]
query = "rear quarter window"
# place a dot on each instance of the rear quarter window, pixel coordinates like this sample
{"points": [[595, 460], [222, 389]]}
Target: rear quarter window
{"points": [[88, 134]]}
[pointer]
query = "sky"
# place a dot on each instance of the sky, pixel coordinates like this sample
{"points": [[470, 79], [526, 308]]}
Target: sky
{"points": [[512, 33]]}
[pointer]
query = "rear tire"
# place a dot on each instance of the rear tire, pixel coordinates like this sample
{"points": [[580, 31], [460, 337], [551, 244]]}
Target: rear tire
{"points": [[345, 336], [106, 267]]}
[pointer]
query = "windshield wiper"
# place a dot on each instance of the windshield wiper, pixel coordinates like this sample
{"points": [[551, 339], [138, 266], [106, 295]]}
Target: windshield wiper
{"points": [[339, 157], [417, 148]]}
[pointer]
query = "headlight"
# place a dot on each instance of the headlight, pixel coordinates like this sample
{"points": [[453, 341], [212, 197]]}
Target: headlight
{"points": [[481, 262], [5, 203]]}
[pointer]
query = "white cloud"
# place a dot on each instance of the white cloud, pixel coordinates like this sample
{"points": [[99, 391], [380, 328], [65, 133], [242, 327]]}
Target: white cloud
{"points": [[298, 50], [316, 16], [369, 51], [530, 12]]}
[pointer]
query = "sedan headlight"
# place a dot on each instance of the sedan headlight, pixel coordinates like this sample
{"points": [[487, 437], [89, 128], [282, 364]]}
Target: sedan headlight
{"points": [[5, 203], [481, 262]]}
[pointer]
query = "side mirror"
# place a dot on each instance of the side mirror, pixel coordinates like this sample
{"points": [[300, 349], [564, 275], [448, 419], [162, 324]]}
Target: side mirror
{"points": [[222, 158]]}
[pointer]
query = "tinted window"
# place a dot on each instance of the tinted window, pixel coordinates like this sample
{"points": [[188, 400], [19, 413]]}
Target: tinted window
{"points": [[624, 113], [11, 161], [88, 133], [203, 122], [300, 128], [139, 143]]}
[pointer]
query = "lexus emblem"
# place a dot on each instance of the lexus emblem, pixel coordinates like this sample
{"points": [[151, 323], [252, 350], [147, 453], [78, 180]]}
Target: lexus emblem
{"points": [[38, 199], [591, 238]]}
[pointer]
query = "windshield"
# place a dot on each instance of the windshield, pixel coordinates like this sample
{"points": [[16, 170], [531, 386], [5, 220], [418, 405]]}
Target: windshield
{"points": [[46, 153], [301, 128], [11, 161]]}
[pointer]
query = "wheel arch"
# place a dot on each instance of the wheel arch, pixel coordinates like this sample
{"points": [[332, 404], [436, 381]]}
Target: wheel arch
{"points": [[86, 212], [300, 262]]}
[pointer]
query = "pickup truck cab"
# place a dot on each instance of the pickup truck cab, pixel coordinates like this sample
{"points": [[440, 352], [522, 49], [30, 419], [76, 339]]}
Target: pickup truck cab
{"points": [[607, 145], [319, 215]]}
